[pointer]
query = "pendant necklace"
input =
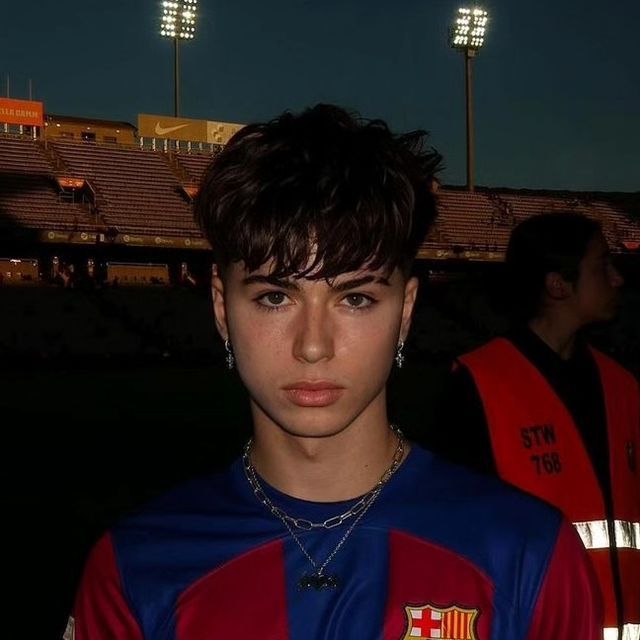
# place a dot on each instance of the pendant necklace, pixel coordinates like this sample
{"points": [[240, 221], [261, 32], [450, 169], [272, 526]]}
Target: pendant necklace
{"points": [[318, 580]]}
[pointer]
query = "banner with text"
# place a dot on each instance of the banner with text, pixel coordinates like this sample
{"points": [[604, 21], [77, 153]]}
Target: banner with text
{"points": [[24, 112]]}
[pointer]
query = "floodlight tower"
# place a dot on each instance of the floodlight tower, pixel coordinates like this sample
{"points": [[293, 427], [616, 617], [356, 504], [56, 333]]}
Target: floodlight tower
{"points": [[179, 23], [467, 35]]}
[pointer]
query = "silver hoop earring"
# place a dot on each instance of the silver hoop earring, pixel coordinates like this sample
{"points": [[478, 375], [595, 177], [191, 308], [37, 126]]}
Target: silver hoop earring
{"points": [[399, 355], [231, 361]]}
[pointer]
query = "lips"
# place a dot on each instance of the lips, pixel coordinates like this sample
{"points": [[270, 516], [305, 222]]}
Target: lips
{"points": [[313, 394]]}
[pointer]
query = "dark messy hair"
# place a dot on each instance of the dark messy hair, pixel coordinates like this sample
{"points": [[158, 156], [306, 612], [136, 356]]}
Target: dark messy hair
{"points": [[320, 193], [542, 244]]}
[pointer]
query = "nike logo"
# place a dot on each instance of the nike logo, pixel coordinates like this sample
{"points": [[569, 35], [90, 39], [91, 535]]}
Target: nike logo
{"points": [[162, 131]]}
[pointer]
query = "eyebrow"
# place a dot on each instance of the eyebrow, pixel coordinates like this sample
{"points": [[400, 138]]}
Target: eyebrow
{"points": [[359, 282], [292, 286], [276, 282]]}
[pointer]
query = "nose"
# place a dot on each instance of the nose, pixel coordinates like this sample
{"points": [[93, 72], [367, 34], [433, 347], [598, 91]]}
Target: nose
{"points": [[313, 340]]}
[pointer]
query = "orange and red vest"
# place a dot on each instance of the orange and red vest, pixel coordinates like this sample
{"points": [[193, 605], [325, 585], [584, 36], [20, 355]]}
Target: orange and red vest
{"points": [[538, 448]]}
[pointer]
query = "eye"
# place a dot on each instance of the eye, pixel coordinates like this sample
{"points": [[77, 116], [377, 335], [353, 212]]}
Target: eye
{"points": [[272, 299], [358, 300]]}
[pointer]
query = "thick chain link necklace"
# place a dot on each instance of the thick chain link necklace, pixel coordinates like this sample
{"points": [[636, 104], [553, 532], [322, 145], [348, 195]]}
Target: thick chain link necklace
{"points": [[318, 580]]}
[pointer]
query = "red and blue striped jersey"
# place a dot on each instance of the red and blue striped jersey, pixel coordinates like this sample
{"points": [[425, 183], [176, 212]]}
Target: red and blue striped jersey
{"points": [[443, 553]]}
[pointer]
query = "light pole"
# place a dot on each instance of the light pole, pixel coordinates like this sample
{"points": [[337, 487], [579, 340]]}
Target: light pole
{"points": [[178, 23], [467, 35]]}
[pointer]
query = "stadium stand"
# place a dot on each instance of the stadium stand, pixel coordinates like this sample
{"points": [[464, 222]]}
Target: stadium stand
{"points": [[137, 191], [135, 202], [29, 194], [481, 222], [194, 164]]}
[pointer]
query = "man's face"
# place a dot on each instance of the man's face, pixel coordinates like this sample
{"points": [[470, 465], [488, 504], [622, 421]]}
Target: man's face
{"points": [[314, 355], [595, 294]]}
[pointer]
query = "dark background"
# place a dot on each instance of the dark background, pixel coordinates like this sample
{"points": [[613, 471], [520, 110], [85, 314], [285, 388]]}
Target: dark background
{"points": [[110, 396]]}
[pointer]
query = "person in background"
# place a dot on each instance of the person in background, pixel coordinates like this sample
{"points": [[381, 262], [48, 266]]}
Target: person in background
{"points": [[552, 415], [330, 525]]}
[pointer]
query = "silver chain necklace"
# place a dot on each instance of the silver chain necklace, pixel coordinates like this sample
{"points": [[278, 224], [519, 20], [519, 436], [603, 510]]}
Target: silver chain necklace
{"points": [[318, 579]]}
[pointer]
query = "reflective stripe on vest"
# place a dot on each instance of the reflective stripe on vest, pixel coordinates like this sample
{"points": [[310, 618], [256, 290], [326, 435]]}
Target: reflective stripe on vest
{"points": [[595, 534], [629, 632]]}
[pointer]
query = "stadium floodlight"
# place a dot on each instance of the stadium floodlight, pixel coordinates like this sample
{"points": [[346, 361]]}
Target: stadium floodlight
{"points": [[467, 35], [178, 23], [469, 29]]}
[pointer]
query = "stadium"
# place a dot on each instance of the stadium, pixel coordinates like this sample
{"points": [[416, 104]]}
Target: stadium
{"points": [[110, 198], [107, 341], [105, 206]]}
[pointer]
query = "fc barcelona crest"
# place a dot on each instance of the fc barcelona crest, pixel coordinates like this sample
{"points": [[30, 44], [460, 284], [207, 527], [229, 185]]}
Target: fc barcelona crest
{"points": [[450, 623]]}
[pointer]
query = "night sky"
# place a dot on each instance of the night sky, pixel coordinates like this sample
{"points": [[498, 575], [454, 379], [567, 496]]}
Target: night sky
{"points": [[557, 86]]}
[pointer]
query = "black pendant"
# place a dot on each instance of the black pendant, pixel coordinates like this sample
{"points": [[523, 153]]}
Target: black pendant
{"points": [[318, 582]]}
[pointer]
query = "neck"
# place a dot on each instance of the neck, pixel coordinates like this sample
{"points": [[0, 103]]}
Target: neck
{"points": [[325, 469], [557, 333]]}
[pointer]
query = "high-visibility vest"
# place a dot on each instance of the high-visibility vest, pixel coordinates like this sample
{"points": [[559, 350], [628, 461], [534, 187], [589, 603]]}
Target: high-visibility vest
{"points": [[538, 448]]}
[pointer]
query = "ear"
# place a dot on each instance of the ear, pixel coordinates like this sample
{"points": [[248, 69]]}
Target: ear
{"points": [[217, 296], [556, 287], [410, 295]]}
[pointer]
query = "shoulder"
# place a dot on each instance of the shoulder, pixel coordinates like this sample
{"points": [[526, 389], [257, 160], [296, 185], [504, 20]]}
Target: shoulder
{"points": [[611, 366], [463, 490], [185, 535], [174, 524], [497, 348], [203, 497], [506, 534]]}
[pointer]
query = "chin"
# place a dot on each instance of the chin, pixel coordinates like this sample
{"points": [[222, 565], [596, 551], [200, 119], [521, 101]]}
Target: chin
{"points": [[314, 423]]}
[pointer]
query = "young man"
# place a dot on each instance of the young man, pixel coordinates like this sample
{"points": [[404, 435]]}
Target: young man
{"points": [[554, 416], [330, 525]]}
